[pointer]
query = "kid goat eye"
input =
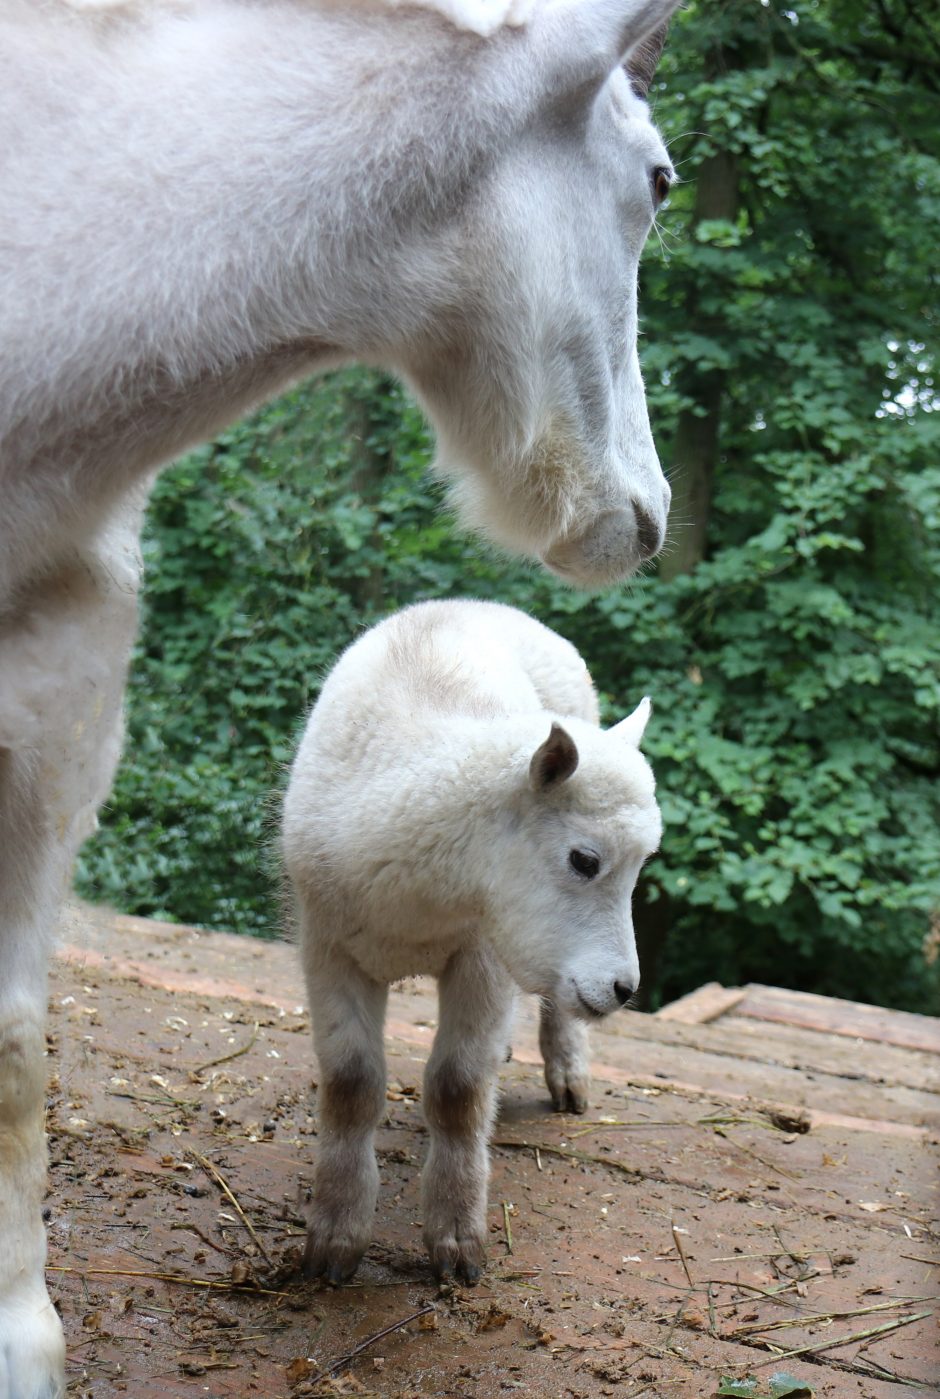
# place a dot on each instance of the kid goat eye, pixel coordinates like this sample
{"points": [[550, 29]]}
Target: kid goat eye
{"points": [[584, 863]]}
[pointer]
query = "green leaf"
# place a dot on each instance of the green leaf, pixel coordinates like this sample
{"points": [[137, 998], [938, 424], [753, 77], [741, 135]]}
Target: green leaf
{"points": [[780, 1386]]}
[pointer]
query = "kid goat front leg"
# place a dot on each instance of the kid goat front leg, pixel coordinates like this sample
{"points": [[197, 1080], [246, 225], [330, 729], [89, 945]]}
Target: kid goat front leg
{"points": [[348, 1011], [476, 1002]]}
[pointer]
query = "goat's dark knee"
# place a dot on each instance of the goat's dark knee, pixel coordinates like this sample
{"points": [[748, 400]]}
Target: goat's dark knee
{"points": [[454, 1102], [352, 1094]]}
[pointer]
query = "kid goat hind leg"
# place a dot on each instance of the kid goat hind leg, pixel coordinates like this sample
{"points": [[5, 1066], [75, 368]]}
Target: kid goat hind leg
{"points": [[565, 1048]]}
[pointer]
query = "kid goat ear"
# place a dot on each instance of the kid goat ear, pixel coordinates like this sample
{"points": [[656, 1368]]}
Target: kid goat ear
{"points": [[630, 730], [554, 761]]}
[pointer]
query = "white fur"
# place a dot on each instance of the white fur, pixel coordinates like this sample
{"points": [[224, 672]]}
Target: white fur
{"points": [[421, 835], [204, 200]]}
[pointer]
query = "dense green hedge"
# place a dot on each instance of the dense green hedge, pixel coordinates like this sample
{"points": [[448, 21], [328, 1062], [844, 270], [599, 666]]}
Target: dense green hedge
{"points": [[794, 664]]}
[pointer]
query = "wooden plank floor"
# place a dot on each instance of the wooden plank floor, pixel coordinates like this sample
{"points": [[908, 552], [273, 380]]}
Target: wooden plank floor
{"points": [[753, 1190]]}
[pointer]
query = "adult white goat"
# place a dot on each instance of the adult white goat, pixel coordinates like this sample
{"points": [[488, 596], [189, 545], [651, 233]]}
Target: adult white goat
{"points": [[203, 200], [455, 810]]}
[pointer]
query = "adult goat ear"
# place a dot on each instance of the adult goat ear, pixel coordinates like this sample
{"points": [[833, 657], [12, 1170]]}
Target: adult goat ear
{"points": [[590, 38], [643, 58], [630, 730], [554, 761]]}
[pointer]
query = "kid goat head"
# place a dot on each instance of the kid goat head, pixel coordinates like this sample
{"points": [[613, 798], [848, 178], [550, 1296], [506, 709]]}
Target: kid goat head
{"points": [[584, 824]]}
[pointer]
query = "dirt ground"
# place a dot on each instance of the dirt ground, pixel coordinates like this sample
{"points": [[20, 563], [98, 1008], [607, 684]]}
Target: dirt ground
{"points": [[748, 1197]]}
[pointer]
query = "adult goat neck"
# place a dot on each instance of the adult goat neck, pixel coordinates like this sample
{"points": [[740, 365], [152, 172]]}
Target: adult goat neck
{"points": [[206, 200], [202, 201]]}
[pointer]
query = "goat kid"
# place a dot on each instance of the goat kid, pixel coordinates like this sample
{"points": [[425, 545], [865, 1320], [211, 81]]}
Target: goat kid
{"points": [[455, 810], [204, 200]]}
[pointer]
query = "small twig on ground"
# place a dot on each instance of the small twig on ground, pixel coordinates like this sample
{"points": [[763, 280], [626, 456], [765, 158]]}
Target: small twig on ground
{"points": [[753, 1327], [844, 1340], [507, 1227], [213, 1284], [676, 1321], [194, 1229], [712, 1320], [220, 1180], [166, 1100], [749, 1151], [225, 1058], [718, 1119], [800, 1259], [621, 1126], [772, 1292], [681, 1251], [740, 1257], [570, 1155], [547, 1214], [345, 1360], [723, 1282], [881, 1372]]}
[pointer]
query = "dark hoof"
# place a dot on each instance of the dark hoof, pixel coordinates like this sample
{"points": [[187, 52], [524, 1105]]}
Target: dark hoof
{"points": [[570, 1103], [318, 1265], [463, 1271]]}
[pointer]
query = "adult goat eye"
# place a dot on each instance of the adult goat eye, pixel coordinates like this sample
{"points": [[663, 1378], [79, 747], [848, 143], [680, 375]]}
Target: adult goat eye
{"points": [[584, 864], [661, 185]]}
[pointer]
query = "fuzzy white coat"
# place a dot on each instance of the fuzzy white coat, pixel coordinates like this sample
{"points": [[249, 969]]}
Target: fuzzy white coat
{"points": [[455, 810], [202, 201]]}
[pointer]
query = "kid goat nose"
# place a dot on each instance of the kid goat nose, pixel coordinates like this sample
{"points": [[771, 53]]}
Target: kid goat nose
{"points": [[623, 991]]}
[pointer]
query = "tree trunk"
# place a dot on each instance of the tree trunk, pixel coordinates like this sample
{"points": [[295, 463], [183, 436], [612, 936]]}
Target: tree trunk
{"points": [[696, 443], [695, 454], [366, 480]]}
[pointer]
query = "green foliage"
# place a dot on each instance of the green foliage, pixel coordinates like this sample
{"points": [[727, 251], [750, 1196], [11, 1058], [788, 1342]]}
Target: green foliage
{"points": [[795, 670]]}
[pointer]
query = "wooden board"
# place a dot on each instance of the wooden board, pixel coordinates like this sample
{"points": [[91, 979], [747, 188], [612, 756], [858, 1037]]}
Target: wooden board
{"points": [[671, 1237]]}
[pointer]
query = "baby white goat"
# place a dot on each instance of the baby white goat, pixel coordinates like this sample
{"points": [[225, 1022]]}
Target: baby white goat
{"points": [[455, 810]]}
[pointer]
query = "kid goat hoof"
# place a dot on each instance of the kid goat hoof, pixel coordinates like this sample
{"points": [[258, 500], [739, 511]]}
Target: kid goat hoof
{"points": [[571, 1098], [322, 1265], [462, 1268], [469, 1274]]}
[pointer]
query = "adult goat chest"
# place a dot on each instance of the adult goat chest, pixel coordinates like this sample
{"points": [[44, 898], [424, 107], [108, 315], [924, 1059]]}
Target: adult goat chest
{"points": [[454, 809], [202, 201]]}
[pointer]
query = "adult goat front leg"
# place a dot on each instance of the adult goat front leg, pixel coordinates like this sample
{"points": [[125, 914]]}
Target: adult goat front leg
{"points": [[32, 1350], [63, 654], [348, 1010], [476, 1003]]}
